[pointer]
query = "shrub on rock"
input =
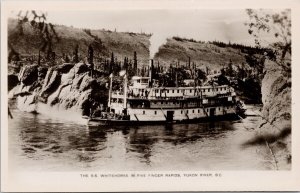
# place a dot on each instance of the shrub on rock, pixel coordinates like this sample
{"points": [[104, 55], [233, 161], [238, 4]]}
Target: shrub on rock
{"points": [[28, 74]]}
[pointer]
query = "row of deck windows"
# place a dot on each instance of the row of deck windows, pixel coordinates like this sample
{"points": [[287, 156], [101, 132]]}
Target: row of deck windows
{"points": [[162, 102], [191, 90], [187, 111], [174, 102]]}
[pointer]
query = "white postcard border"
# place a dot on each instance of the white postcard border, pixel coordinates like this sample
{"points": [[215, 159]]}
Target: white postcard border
{"points": [[229, 181]]}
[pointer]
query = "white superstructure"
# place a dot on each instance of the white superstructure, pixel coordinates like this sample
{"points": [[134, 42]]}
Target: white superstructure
{"points": [[145, 103]]}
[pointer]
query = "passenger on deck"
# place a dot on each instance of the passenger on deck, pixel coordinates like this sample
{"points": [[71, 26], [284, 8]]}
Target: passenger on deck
{"points": [[146, 93]]}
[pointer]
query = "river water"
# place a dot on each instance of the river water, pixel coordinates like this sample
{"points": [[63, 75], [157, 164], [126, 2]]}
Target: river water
{"points": [[39, 143]]}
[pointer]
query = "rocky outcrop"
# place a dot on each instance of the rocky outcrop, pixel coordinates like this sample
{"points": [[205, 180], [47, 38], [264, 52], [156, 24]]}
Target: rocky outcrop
{"points": [[275, 129], [51, 83], [12, 81], [276, 89], [28, 74], [65, 88]]}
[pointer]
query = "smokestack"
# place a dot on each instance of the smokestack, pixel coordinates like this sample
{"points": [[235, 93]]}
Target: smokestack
{"points": [[151, 69], [151, 72]]}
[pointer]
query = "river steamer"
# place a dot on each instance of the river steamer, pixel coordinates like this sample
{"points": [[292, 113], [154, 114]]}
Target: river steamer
{"points": [[147, 104]]}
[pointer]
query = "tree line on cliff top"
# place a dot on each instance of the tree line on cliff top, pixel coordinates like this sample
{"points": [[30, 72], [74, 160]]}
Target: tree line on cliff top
{"points": [[277, 23]]}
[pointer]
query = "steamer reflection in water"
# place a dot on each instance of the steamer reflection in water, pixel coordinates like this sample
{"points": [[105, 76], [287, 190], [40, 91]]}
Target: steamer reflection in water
{"points": [[37, 142]]}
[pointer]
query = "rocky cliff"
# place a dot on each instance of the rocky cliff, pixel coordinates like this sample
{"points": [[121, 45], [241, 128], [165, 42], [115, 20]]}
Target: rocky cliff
{"points": [[275, 129], [68, 91]]}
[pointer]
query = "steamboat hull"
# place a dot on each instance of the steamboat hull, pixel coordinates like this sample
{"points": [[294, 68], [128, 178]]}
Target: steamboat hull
{"points": [[112, 122]]}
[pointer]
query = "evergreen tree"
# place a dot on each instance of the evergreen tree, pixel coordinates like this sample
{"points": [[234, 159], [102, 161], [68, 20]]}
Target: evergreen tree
{"points": [[91, 59], [134, 62], [106, 66], [207, 70], [52, 57], [39, 58], [230, 69], [112, 63], [125, 64], [90, 55], [67, 59], [75, 54]]}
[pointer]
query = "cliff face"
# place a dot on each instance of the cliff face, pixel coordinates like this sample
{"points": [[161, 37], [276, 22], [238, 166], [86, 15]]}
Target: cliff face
{"points": [[275, 129], [67, 88], [276, 89]]}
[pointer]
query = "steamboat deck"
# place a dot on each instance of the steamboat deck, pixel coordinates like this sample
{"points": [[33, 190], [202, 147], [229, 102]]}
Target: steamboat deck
{"points": [[141, 104]]}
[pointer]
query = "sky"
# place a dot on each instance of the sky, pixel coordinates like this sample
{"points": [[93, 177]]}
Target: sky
{"points": [[200, 24]]}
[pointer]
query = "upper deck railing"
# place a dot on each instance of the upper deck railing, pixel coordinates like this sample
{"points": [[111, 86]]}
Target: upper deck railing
{"points": [[180, 93]]}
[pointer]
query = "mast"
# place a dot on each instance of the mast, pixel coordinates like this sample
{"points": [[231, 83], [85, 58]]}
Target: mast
{"points": [[125, 90], [110, 89], [176, 81]]}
